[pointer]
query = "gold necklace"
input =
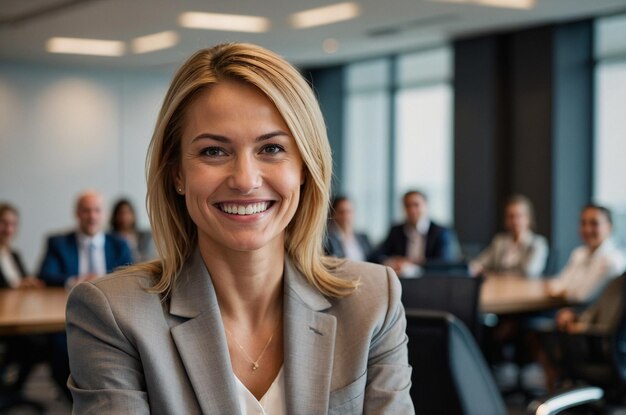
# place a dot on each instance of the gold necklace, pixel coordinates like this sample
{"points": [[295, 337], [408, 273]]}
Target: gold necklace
{"points": [[255, 363]]}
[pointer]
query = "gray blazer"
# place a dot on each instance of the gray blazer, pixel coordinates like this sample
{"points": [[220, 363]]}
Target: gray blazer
{"points": [[133, 353]]}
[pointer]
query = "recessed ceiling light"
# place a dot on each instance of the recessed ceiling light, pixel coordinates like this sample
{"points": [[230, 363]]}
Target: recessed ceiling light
{"points": [[227, 22], [325, 15], [509, 4], [80, 46], [156, 41]]}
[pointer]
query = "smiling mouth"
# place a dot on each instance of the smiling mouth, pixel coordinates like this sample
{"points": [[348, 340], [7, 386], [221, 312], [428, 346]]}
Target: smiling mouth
{"points": [[244, 209]]}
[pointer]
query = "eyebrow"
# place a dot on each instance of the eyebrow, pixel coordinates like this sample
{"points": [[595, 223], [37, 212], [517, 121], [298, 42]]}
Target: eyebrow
{"points": [[224, 139]]}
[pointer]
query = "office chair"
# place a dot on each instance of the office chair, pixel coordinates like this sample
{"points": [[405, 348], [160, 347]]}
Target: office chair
{"points": [[458, 295], [21, 352], [450, 375]]}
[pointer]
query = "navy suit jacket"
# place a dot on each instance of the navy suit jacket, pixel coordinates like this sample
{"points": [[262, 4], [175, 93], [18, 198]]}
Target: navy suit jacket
{"points": [[61, 259], [439, 244], [20, 267]]}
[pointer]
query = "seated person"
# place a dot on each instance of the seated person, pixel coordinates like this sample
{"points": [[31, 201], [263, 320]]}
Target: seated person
{"points": [[589, 269], [81, 255], [517, 251], [12, 271], [24, 351], [341, 240], [591, 265], [601, 316], [87, 252], [410, 244], [124, 224]]}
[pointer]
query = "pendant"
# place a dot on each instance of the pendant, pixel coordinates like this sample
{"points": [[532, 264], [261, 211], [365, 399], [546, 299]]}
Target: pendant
{"points": [[255, 366]]}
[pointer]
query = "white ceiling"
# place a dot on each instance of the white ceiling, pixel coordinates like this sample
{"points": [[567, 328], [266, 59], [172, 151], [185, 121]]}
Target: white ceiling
{"points": [[384, 26]]}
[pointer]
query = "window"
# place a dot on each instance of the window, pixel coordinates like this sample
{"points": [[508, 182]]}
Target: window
{"points": [[423, 156], [365, 164], [377, 168], [610, 123]]}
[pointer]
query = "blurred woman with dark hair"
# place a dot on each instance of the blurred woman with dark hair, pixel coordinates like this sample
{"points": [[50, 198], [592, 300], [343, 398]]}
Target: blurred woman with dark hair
{"points": [[124, 224]]}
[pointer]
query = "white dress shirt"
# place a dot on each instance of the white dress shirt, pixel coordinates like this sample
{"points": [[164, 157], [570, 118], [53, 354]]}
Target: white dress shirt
{"points": [[272, 403], [416, 245], [9, 268], [352, 248], [586, 273], [99, 258]]}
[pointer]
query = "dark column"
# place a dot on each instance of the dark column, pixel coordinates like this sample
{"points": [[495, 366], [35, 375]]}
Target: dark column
{"points": [[530, 93], [478, 138], [523, 124], [328, 84]]}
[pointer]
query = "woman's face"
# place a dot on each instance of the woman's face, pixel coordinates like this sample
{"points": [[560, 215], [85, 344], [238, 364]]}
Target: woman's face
{"points": [[125, 217], [8, 227], [595, 227], [240, 168], [516, 218]]}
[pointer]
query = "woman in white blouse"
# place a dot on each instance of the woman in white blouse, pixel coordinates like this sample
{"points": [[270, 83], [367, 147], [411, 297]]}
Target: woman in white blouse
{"points": [[591, 265], [588, 271], [518, 250], [12, 271]]}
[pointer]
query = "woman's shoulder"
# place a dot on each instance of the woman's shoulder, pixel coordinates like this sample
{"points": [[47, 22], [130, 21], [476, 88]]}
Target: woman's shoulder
{"points": [[377, 284], [365, 272], [131, 283]]}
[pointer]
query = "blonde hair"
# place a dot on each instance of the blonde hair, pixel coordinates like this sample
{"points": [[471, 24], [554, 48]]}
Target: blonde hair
{"points": [[174, 232]]}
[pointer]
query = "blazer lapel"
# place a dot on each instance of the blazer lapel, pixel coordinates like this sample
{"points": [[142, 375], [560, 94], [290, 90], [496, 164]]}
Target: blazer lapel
{"points": [[309, 339], [200, 340]]}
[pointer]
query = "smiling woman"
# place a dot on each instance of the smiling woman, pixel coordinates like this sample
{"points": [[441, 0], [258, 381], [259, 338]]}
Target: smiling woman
{"points": [[241, 313]]}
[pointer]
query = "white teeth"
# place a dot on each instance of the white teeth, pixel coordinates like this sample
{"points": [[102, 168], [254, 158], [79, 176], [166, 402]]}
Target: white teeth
{"points": [[249, 209]]}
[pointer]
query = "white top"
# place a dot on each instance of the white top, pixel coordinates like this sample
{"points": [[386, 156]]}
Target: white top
{"points": [[272, 403], [9, 268], [351, 248], [586, 273], [416, 244], [99, 258]]}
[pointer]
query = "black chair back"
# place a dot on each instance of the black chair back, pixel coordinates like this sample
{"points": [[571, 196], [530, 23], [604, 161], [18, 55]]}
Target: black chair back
{"points": [[459, 295], [450, 375]]}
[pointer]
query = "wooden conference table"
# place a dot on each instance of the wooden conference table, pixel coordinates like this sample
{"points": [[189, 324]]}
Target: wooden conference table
{"points": [[510, 294], [29, 311], [43, 310]]}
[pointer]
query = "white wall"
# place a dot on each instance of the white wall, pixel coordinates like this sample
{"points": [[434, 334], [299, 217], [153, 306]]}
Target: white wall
{"points": [[65, 130]]}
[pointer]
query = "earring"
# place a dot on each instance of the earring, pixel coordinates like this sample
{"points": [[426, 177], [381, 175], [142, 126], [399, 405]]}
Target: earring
{"points": [[180, 190]]}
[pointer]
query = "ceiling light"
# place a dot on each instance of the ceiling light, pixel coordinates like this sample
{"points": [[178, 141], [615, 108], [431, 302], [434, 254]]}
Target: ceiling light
{"points": [[510, 4], [157, 41], [325, 15], [227, 22], [85, 46]]}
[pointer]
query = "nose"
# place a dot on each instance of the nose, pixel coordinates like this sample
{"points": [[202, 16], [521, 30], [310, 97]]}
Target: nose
{"points": [[246, 174]]}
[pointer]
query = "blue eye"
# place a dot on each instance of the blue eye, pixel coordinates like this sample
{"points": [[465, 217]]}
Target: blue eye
{"points": [[272, 149]]}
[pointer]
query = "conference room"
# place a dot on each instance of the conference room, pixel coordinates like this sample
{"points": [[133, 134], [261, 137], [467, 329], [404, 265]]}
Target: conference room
{"points": [[455, 113]]}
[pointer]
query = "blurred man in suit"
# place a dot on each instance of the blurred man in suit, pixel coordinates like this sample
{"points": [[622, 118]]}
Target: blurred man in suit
{"points": [[416, 241], [86, 253], [81, 255]]}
